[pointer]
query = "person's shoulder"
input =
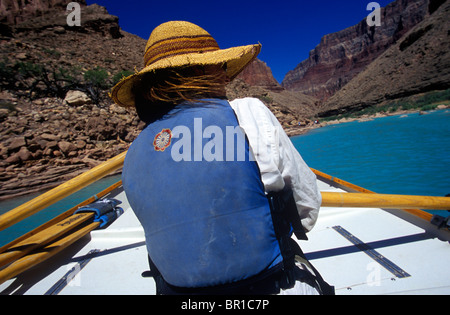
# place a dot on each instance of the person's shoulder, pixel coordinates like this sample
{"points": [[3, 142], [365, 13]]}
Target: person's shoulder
{"points": [[250, 105], [247, 101]]}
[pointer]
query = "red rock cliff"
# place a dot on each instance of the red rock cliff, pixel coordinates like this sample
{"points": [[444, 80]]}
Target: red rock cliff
{"points": [[259, 74], [341, 56]]}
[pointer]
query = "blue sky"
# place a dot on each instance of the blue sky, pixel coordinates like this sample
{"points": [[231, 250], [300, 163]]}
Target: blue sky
{"points": [[287, 30]]}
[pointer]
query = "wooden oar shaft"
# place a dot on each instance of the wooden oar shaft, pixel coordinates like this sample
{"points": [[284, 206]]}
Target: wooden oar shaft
{"points": [[43, 201], [43, 238], [49, 251], [367, 200]]}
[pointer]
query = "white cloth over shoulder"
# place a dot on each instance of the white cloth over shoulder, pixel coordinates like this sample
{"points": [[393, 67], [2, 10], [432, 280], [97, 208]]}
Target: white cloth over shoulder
{"points": [[278, 160]]}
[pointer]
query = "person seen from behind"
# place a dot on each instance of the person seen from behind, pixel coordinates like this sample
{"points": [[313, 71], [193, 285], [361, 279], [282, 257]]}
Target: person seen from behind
{"points": [[218, 186]]}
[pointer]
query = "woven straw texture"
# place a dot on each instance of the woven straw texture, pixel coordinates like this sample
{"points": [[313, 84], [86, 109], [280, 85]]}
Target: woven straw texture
{"points": [[178, 44]]}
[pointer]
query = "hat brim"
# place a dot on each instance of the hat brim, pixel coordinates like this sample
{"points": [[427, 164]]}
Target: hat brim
{"points": [[237, 58]]}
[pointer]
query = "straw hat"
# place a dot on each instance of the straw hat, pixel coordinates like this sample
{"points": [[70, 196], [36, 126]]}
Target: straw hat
{"points": [[177, 44]]}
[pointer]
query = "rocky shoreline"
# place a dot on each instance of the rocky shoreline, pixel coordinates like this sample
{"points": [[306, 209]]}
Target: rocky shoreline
{"points": [[362, 118], [42, 146], [47, 142]]}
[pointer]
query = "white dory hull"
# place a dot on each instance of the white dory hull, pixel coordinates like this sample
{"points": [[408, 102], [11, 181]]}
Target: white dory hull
{"points": [[358, 250]]}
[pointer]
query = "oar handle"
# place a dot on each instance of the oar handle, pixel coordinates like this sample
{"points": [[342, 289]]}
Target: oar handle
{"points": [[368, 200]]}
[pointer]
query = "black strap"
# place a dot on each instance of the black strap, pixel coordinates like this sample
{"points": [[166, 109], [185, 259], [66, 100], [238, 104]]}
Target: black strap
{"points": [[323, 287], [284, 212], [286, 221], [266, 283]]}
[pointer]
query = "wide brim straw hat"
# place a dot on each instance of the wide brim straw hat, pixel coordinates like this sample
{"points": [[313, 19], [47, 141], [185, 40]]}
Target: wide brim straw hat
{"points": [[178, 44]]}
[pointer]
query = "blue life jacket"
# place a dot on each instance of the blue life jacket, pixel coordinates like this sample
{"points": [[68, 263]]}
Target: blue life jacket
{"points": [[206, 217]]}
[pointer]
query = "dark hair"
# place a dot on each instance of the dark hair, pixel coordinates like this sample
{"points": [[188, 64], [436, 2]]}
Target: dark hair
{"points": [[157, 93]]}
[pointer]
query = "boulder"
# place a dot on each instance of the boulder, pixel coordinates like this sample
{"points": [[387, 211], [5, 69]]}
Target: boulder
{"points": [[50, 137], [3, 113], [24, 154], [77, 98], [13, 159], [16, 143], [117, 109], [66, 147], [80, 144]]}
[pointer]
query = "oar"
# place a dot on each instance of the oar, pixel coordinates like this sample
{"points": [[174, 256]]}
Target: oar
{"points": [[369, 200], [29, 238], [66, 189], [47, 233], [50, 250], [58, 219], [43, 238]]}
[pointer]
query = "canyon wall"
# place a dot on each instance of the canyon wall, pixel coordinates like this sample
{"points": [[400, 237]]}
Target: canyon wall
{"points": [[342, 55]]}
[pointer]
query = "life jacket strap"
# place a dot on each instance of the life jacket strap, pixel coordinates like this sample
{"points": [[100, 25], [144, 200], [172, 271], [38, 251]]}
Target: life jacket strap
{"points": [[286, 222], [267, 282]]}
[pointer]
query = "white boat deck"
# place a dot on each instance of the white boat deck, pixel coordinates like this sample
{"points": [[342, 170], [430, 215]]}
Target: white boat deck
{"points": [[415, 252], [418, 251]]}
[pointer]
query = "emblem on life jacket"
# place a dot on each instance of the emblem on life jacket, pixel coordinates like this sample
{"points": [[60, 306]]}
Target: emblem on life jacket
{"points": [[162, 140]]}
